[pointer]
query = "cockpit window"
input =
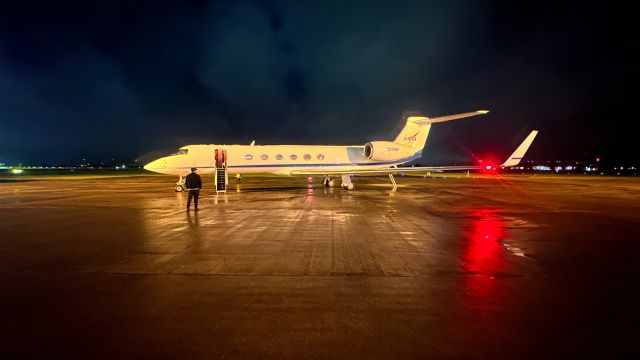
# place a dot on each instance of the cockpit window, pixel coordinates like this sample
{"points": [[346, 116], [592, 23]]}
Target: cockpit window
{"points": [[181, 152]]}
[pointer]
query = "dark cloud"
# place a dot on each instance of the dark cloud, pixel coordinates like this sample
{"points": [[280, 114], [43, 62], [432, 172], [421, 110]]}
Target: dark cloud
{"points": [[108, 79]]}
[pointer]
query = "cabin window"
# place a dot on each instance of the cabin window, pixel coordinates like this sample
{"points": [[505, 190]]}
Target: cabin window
{"points": [[264, 157], [293, 156], [278, 157], [320, 157], [307, 157], [248, 157]]}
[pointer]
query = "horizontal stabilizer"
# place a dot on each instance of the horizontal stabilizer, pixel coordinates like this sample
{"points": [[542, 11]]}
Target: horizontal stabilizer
{"points": [[423, 120], [517, 155]]}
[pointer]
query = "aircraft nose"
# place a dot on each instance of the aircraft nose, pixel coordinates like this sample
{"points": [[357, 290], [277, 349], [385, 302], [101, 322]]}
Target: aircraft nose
{"points": [[154, 165]]}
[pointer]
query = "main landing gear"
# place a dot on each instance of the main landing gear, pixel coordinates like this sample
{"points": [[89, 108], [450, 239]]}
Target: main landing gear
{"points": [[327, 181], [180, 187], [346, 182]]}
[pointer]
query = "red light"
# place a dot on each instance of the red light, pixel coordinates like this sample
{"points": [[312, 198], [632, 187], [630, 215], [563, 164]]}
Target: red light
{"points": [[487, 166], [489, 169]]}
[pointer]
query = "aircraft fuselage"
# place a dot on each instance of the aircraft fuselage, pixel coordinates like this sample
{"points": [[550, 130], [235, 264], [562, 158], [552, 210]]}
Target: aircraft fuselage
{"points": [[278, 159]]}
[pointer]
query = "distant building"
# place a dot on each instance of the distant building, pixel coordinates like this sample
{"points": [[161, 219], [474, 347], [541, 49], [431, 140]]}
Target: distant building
{"points": [[541, 168]]}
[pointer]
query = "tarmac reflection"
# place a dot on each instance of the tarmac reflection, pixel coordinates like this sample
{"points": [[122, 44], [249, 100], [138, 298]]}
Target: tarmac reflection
{"points": [[483, 252], [220, 198], [193, 220], [179, 199], [483, 256], [308, 199]]}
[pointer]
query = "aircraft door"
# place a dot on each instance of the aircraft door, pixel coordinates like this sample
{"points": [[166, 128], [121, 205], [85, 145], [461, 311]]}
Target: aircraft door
{"points": [[221, 177], [221, 158]]}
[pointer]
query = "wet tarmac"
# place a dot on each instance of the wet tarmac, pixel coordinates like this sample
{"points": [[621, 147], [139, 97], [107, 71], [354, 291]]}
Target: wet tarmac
{"points": [[499, 267]]}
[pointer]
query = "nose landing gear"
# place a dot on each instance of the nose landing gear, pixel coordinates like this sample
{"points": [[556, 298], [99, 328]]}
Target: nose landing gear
{"points": [[346, 182], [180, 184]]}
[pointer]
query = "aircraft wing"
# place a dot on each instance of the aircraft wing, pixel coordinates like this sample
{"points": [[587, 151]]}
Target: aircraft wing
{"points": [[517, 155], [391, 170], [513, 160]]}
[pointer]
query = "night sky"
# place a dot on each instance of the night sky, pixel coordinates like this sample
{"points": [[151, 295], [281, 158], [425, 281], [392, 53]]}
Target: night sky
{"points": [[101, 80]]}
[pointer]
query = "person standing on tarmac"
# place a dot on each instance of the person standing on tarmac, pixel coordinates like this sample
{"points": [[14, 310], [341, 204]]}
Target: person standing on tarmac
{"points": [[193, 184]]}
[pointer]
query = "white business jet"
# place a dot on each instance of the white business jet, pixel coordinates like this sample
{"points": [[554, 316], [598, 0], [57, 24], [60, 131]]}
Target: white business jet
{"points": [[374, 158]]}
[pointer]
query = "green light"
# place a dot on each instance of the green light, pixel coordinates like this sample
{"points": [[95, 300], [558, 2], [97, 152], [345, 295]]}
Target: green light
{"points": [[16, 171]]}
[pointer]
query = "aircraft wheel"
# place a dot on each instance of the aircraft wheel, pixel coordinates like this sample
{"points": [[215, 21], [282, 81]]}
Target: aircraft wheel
{"points": [[330, 183], [179, 188], [349, 187]]}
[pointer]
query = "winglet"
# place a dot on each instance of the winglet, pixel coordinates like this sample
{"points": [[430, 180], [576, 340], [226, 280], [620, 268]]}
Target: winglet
{"points": [[517, 155], [252, 143]]}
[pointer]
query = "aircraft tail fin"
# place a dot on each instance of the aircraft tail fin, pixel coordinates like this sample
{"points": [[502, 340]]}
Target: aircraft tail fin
{"points": [[517, 155]]}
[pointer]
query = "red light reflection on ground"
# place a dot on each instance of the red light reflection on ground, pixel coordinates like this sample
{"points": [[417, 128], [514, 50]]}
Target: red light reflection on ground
{"points": [[309, 198], [483, 255]]}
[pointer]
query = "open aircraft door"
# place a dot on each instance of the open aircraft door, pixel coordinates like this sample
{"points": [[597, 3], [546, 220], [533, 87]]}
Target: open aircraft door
{"points": [[221, 177]]}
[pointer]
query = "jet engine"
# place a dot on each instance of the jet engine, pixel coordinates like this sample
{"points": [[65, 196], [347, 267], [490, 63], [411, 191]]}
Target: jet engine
{"points": [[386, 151]]}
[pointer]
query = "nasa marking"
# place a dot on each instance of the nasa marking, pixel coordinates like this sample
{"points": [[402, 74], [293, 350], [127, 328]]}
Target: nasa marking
{"points": [[411, 138]]}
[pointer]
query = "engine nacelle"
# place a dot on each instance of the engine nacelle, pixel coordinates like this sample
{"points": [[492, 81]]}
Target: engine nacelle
{"points": [[386, 151]]}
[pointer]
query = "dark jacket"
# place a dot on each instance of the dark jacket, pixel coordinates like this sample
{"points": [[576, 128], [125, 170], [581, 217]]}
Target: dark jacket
{"points": [[193, 181]]}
